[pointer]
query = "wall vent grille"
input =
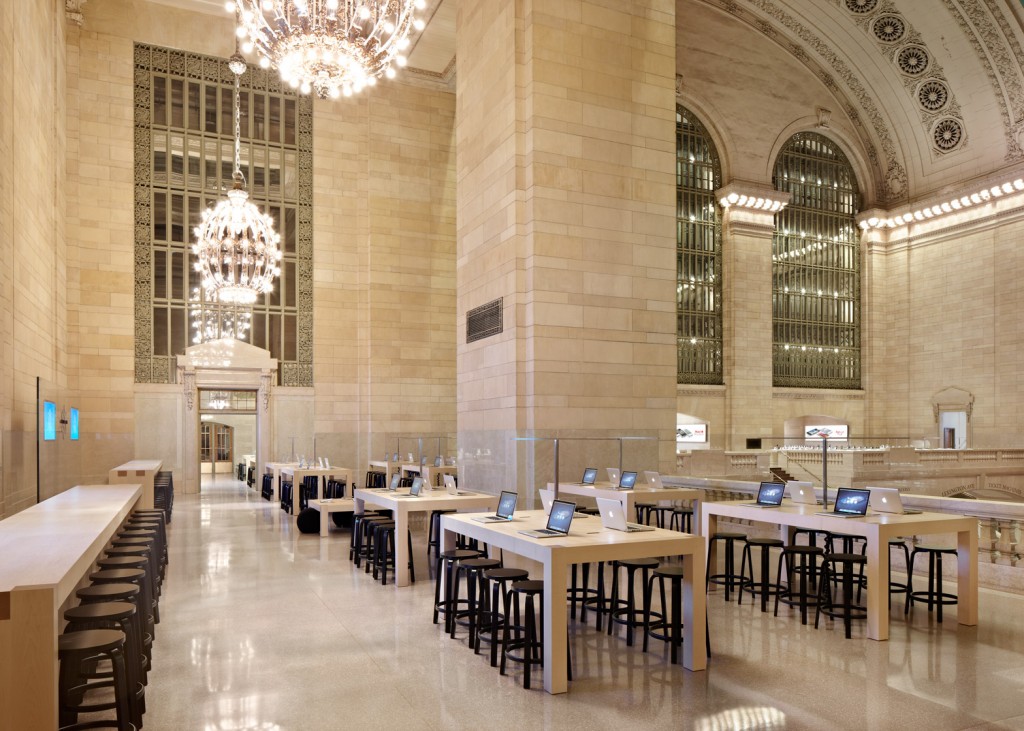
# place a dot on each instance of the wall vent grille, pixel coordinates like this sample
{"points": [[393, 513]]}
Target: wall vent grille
{"points": [[483, 321]]}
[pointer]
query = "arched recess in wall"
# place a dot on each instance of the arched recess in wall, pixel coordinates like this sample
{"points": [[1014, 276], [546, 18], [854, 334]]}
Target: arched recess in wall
{"points": [[712, 121], [851, 148], [692, 432]]}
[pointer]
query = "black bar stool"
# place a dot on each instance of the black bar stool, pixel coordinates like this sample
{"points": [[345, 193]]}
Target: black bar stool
{"points": [[763, 588], [624, 611], [523, 641], [729, 579], [120, 616], [491, 620], [138, 577], [385, 554], [681, 520], [476, 593], [801, 563], [669, 628], [446, 562], [434, 531], [840, 565], [896, 587], [77, 651], [577, 595], [371, 531], [933, 596]]}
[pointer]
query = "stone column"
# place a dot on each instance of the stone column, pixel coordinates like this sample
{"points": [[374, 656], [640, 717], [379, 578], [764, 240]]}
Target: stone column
{"points": [[565, 144], [747, 322]]}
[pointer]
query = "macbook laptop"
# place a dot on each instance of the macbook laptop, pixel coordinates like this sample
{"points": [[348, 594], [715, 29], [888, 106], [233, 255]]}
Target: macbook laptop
{"points": [[559, 520], [627, 481], [888, 500], [802, 493], [547, 497], [851, 502], [589, 476], [415, 489], [653, 480], [614, 516], [769, 495], [449, 485], [506, 506], [394, 482], [613, 475]]}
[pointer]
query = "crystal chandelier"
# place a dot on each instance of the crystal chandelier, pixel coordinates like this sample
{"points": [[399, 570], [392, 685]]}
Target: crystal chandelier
{"points": [[236, 246], [331, 47], [212, 321], [219, 401]]}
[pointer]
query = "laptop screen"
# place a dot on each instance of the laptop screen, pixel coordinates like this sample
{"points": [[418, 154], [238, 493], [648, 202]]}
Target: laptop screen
{"points": [[417, 485], [770, 493], [394, 481], [589, 476], [628, 479], [561, 515], [506, 504], [852, 501]]}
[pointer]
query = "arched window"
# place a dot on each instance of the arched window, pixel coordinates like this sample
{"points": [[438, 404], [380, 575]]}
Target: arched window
{"points": [[816, 268], [698, 253]]}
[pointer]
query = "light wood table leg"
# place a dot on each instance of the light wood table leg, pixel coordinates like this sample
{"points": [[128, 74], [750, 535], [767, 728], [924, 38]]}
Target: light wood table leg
{"points": [[967, 577], [877, 575], [695, 655], [555, 627]]}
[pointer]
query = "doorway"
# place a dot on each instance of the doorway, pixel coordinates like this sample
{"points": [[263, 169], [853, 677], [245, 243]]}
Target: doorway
{"points": [[227, 434]]}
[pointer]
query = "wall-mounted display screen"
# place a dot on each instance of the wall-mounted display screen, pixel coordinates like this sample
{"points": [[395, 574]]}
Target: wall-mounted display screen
{"points": [[73, 426], [49, 421], [691, 432], [829, 431]]}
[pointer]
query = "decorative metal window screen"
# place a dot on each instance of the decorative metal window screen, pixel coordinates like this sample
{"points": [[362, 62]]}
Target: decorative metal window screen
{"points": [[816, 268], [698, 253], [484, 321], [184, 150]]}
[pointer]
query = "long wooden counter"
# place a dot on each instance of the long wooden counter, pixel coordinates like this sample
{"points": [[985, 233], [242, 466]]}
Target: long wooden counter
{"points": [[138, 472], [45, 552]]}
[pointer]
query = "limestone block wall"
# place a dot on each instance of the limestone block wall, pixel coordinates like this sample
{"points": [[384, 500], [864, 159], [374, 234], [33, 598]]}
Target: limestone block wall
{"points": [[955, 318], [33, 325], [384, 307]]}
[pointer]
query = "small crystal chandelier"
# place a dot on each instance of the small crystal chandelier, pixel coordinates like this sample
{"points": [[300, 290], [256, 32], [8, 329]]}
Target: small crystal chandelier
{"points": [[236, 245], [331, 47], [219, 401]]}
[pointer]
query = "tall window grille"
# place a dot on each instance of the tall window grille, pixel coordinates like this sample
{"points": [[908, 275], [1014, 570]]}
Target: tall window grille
{"points": [[184, 160], [698, 253], [816, 268]]}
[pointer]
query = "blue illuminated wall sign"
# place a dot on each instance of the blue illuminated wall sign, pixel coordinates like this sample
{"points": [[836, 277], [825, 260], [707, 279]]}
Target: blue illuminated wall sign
{"points": [[74, 424], [49, 421]]}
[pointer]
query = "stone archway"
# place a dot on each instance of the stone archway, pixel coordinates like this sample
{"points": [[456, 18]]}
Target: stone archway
{"points": [[227, 364]]}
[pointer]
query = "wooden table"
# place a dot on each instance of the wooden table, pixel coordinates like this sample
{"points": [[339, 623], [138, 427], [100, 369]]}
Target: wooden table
{"points": [[402, 506], [322, 474], [47, 550], [275, 468], [585, 544], [333, 505], [138, 472], [642, 495], [878, 529], [430, 473]]}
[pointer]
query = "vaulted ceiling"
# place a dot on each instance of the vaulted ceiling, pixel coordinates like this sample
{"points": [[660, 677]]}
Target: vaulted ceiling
{"points": [[933, 90]]}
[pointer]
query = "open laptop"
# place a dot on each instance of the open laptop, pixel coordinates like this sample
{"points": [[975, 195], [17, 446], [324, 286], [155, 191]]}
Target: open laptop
{"points": [[627, 481], [415, 489], [449, 485], [613, 475], [547, 497], [614, 516], [851, 502], [802, 493], [888, 500], [769, 495], [559, 520], [589, 476], [653, 480], [506, 507], [394, 482]]}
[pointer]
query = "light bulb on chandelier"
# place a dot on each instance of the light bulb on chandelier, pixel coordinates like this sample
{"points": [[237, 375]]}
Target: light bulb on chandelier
{"points": [[329, 47], [236, 247]]}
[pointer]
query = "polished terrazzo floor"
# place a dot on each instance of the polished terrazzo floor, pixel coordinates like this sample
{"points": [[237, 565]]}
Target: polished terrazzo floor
{"points": [[267, 629]]}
